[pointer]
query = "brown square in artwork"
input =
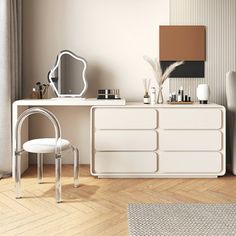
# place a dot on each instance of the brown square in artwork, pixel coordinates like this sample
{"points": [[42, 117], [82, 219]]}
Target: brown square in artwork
{"points": [[185, 43]]}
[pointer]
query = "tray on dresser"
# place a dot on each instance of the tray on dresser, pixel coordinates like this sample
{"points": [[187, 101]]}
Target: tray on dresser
{"points": [[181, 103]]}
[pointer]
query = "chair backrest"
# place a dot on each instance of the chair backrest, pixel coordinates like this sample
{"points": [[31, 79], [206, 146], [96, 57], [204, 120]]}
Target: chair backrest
{"points": [[231, 116], [37, 110], [231, 90]]}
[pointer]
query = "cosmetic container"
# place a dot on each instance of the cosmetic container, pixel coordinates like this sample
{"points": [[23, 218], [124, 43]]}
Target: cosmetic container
{"points": [[34, 94], [173, 97], [117, 94], [179, 98], [106, 94], [182, 93], [153, 95], [146, 98]]}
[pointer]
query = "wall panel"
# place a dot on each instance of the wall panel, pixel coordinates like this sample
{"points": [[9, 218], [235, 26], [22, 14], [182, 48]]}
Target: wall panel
{"points": [[219, 17]]}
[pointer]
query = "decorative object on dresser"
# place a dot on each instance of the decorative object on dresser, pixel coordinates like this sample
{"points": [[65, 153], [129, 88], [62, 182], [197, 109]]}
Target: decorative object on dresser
{"points": [[158, 141], [182, 97], [42, 90], [41, 146], [146, 85], [108, 94], [159, 76], [231, 114], [203, 93], [34, 94], [68, 76]]}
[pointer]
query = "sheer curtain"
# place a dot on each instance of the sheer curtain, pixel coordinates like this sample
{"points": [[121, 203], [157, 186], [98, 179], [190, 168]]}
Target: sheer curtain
{"points": [[10, 73]]}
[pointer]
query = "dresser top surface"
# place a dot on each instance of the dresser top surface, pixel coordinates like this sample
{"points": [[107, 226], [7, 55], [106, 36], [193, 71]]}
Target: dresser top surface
{"points": [[166, 105]]}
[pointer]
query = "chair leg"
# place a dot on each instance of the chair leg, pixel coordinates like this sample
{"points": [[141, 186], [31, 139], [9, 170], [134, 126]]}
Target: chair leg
{"points": [[58, 178], [40, 167], [76, 167], [17, 173]]}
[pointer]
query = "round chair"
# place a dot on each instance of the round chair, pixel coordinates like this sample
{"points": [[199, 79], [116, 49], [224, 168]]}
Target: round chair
{"points": [[40, 146]]}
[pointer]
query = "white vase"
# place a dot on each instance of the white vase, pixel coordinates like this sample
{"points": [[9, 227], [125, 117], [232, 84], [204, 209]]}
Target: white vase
{"points": [[160, 98]]}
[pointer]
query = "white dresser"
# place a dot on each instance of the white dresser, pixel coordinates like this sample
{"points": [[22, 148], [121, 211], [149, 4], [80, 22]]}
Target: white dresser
{"points": [[157, 141]]}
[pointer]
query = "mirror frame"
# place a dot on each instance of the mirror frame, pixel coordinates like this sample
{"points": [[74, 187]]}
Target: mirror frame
{"points": [[64, 52]]}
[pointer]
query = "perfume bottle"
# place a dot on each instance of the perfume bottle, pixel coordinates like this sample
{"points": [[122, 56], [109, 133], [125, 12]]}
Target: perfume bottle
{"points": [[146, 85], [146, 98]]}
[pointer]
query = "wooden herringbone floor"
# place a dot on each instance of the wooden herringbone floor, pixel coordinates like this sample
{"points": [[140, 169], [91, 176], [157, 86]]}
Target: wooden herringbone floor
{"points": [[99, 206]]}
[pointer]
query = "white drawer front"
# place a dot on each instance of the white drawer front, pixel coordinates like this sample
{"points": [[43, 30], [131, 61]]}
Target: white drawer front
{"points": [[190, 162], [125, 162], [210, 140], [127, 140], [190, 118], [120, 118]]}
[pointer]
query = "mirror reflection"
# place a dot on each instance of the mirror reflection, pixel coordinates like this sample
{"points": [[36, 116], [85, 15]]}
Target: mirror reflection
{"points": [[67, 78]]}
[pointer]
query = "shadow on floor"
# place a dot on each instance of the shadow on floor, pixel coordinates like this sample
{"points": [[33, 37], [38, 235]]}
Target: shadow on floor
{"points": [[71, 194]]}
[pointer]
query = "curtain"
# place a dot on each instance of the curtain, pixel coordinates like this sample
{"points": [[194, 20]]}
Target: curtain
{"points": [[10, 73]]}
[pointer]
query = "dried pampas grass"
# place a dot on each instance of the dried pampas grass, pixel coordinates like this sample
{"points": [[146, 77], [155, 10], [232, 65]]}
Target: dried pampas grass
{"points": [[157, 71]]}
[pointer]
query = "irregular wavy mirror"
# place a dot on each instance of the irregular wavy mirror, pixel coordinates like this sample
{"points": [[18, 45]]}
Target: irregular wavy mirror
{"points": [[67, 77]]}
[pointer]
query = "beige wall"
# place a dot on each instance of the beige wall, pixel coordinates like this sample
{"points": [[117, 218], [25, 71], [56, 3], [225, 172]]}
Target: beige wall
{"points": [[113, 35]]}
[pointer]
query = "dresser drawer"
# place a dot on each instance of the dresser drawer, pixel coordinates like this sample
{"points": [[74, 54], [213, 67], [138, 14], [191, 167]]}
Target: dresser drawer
{"points": [[185, 118], [188, 140], [125, 162], [128, 118], [126, 140], [190, 162]]}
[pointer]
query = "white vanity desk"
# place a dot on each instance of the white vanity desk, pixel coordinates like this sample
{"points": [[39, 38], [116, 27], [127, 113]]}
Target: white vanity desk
{"points": [[152, 141], [19, 106]]}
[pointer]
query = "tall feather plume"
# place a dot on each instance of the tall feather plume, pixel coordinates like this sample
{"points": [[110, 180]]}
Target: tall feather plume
{"points": [[157, 71], [156, 68], [169, 69]]}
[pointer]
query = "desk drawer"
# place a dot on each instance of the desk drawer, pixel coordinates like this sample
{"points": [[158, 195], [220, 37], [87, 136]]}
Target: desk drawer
{"points": [[128, 118], [197, 140], [125, 162], [190, 118], [126, 140], [190, 162]]}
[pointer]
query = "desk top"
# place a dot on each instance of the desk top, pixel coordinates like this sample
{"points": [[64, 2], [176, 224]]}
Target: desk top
{"points": [[69, 102], [103, 102]]}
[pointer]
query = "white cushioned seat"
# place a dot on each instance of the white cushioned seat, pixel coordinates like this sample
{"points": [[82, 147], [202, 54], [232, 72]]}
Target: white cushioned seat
{"points": [[45, 145]]}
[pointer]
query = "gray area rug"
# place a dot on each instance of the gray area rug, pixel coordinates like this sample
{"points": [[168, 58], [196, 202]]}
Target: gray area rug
{"points": [[182, 219]]}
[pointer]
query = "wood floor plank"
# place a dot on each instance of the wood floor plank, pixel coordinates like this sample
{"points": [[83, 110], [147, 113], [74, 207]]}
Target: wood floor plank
{"points": [[99, 206]]}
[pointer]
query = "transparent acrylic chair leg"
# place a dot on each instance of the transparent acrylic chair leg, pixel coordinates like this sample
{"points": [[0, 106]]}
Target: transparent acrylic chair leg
{"points": [[76, 167], [40, 167], [58, 178], [18, 175]]}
